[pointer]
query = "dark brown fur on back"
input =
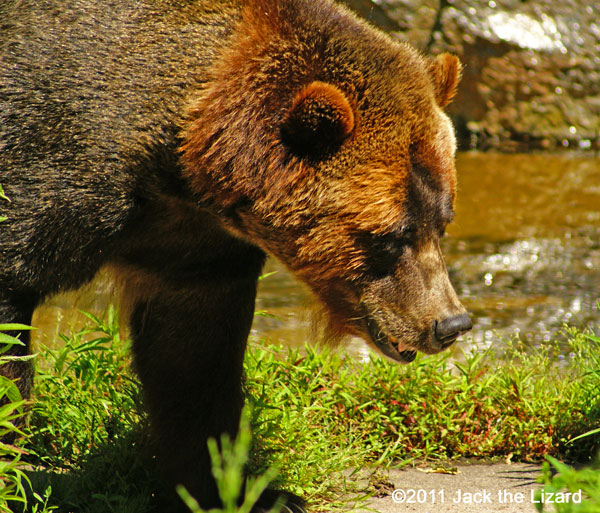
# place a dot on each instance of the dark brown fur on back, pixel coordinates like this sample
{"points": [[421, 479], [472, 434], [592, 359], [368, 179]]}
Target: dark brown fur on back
{"points": [[179, 143]]}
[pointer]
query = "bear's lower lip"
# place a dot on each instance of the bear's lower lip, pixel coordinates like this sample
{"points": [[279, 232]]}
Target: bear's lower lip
{"points": [[386, 346]]}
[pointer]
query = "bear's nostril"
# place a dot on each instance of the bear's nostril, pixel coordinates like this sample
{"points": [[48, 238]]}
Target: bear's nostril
{"points": [[448, 330]]}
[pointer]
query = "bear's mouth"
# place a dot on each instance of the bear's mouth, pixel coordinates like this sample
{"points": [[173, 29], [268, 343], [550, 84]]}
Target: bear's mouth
{"points": [[387, 345]]}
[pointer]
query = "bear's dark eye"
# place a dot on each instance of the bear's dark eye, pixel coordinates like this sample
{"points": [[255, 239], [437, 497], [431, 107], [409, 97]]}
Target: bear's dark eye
{"points": [[384, 251]]}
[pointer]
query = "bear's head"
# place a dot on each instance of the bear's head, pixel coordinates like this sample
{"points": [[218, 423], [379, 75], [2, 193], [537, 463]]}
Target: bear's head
{"points": [[321, 140]]}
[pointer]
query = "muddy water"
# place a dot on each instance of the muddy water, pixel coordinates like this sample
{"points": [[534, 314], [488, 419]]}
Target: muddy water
{"points": [[523, 253]]}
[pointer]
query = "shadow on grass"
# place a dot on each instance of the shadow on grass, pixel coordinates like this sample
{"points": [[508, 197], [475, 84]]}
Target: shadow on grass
{"points": [[114, 477]]}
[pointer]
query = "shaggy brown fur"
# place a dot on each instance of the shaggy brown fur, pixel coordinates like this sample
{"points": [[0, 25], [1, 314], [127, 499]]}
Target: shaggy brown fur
{"points": [[179, 142]]}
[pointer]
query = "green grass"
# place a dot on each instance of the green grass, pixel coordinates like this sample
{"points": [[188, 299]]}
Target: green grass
{"points": [[85, 436], [12, 478], [316, 416], [323, 413], [559, 478]]}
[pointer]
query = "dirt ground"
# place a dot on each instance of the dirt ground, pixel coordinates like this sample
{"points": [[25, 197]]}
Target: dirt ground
{"points": [[474, 488]]}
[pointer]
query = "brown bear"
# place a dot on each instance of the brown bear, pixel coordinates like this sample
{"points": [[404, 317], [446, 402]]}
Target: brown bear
{"points": [[179, 142]]}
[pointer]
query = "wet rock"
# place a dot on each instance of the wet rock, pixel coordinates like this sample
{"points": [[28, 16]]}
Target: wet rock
{"points": [[532, 75]]}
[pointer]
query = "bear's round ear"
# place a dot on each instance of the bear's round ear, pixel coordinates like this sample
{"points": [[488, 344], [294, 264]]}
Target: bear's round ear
{"points": [[445, 71], [319, 119]]}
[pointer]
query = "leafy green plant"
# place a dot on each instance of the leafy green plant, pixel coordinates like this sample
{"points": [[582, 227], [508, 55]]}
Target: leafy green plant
{"points": [[13, 480], [85, 393], [560, 478], [580, 489], [228, 465], [86, 433]]}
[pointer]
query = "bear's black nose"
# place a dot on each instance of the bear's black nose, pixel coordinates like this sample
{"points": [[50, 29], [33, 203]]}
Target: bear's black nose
{"points": [[448, 330]]}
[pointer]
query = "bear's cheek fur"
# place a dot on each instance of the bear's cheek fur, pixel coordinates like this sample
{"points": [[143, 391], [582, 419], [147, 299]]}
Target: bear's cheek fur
{"points": [[322, 230]]}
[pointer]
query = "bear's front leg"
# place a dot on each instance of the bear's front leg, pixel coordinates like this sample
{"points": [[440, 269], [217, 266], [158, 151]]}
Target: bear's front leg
{"points": [[190, 287], [188, 341]]}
